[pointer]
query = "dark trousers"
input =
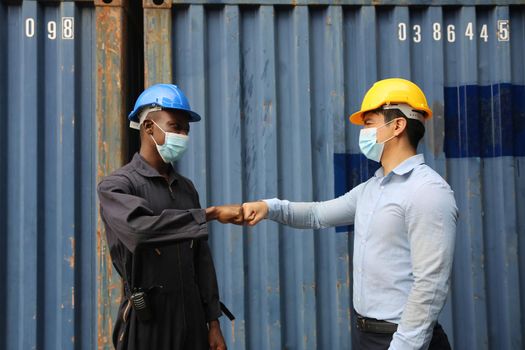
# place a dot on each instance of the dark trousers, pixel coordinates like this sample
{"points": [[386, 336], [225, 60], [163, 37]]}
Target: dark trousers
{"points": [[378, 341]]}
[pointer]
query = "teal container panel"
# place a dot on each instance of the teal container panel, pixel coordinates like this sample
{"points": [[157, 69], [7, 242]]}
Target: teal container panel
{"points": [[275, 84], [47, 193]]}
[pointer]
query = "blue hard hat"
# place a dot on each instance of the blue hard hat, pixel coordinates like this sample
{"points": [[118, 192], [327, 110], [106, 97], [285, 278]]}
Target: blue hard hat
{"points": [[167, 96]]}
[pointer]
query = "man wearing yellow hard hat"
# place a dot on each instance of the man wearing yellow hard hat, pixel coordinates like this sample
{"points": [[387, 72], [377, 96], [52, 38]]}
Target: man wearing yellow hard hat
{"points": [[404, 221]]}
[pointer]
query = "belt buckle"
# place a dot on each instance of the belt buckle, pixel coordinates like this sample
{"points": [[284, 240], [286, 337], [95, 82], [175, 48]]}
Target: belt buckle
{"points": [[361, 323]]}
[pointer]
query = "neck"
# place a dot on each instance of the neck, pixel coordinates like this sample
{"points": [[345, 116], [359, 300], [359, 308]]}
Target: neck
{"points": [[395, 156], [152, 157]]}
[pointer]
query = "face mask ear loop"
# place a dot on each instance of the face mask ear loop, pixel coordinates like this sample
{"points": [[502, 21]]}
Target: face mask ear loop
{"points": [[386, 125], [160, 130]]}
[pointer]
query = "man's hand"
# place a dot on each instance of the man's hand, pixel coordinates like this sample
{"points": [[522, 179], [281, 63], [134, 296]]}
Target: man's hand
{"points": [[226, 214], [254, 212], [215, 337]]}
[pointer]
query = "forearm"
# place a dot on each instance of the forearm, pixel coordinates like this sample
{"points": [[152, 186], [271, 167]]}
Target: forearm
{"points": [[339, 211], [425, 302], [167, 228], [299, 215]]}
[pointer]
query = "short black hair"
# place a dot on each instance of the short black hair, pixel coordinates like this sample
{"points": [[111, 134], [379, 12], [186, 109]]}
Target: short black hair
{"points": [[415, 128]]}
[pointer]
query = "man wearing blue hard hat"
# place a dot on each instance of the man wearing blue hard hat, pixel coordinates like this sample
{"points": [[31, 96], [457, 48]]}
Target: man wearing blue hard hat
{"points": [[157, 232]]}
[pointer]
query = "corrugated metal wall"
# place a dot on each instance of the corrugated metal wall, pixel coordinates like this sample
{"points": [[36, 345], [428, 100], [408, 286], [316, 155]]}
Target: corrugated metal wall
{"points": [[47, 194], [275, 84]]}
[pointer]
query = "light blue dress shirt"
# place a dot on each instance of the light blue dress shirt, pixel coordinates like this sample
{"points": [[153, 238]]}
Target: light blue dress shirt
{"points": [[404, 234]]}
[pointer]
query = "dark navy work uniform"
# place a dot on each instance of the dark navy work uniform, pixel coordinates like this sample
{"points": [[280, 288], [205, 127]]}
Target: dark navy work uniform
{"points": [[157, 233]]}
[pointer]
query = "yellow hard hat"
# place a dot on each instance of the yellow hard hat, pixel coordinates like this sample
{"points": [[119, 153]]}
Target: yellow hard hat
{"points": [[392, 91]]}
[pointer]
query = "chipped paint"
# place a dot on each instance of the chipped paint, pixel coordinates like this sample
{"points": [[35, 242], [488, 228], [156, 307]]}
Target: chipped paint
{"points": [[111, 90], [157, 44], [71, 258], [232, 326]]}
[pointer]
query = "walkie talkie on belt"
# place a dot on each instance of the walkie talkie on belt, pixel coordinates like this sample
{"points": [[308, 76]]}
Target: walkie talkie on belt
{"points": [[139, 301]]}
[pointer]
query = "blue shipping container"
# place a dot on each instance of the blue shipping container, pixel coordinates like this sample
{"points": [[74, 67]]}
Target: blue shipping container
{"points": [[47, 193], [275, 85]]}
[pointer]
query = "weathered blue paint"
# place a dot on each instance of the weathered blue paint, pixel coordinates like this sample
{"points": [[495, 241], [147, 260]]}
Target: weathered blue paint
{"points": [[47, 179], [275, 86], [350, 2]]}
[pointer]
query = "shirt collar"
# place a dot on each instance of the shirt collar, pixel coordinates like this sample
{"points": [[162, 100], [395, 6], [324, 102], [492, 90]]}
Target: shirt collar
{"points": [[144, 169], [405, 167]]}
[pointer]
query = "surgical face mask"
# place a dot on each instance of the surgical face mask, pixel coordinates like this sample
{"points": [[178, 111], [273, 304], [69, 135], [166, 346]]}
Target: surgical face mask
{"points": [[174, 145], [369, 145]]}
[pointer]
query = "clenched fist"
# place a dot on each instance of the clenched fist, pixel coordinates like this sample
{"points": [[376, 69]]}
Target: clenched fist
{"points": [[226, 214], [254, 212]]}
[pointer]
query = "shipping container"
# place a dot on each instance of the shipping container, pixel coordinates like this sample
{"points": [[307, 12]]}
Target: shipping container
{"points": [[275, 84], [47, 178], [275, 81]]}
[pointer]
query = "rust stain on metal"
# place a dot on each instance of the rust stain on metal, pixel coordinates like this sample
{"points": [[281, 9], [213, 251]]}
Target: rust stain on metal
{"points": [[157, 45], [71, 258], [111, 143], [113, 3], [149, 4], [233, 330]]}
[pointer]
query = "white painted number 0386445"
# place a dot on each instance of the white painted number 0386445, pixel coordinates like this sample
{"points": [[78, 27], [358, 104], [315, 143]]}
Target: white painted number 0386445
{"points": [[67, 28], [450, 33]]}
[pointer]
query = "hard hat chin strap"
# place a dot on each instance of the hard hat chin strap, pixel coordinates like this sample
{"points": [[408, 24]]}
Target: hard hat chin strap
{"points": [[407, 110], [142, 116]]}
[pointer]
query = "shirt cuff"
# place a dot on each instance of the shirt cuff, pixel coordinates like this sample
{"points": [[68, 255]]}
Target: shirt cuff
{"points": [[212, 311], [199, 215], [274, 207]]}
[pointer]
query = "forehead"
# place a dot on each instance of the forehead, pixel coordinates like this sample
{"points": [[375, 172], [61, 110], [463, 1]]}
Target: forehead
{"points": [[165, 116], [372, 117]]}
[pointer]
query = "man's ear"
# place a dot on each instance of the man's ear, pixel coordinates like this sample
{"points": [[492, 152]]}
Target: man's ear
{"points": [[147, 125], [400, 126]]}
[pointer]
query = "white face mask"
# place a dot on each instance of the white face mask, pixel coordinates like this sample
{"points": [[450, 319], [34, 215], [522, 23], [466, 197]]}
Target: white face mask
{"points": [[369, 145], [174, 145]]}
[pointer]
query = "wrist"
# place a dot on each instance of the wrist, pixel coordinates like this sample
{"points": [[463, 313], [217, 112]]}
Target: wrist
{"points": [[211, 213], [266, 208], [214, 324]]}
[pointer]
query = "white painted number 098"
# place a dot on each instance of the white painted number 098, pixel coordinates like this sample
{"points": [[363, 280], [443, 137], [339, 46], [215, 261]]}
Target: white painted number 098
{"points": [[68, 28]]}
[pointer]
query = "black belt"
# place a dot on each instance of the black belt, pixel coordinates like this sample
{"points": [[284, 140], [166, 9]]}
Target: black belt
{"points": [[161, 289], [371, 325]]}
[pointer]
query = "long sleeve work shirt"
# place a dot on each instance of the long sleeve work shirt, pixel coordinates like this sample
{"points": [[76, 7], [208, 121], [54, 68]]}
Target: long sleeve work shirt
{"points": [[404, 234], [156, 234]]}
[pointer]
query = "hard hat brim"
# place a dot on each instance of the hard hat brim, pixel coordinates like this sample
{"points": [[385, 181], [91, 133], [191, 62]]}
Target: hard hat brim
{"points": [[193, 117], [357, 117]]}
